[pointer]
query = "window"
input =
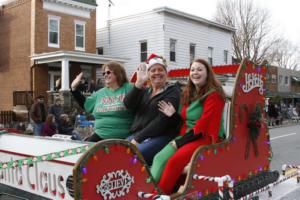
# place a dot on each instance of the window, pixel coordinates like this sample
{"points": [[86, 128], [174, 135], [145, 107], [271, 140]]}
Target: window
{"points": [[273, 78], [280, 79], [79, 35], [53, 31], [225, 56], [210, 55], [286, 80], [144, 49], [100, 51], [172, 50], [192, 52], [268, 77]]}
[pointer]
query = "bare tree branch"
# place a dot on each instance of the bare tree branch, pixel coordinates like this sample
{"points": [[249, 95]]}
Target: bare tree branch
{"points": [[254, 37]]}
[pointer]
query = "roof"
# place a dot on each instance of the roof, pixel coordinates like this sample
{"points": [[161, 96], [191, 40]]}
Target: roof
{"points": [[219, 69], [71, 2], [180, 14], [193, 17], [91, 2], [297, 79]]}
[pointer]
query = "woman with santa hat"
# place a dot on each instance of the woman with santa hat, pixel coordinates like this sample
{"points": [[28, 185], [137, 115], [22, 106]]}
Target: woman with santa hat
{"points": [[151, 129]]}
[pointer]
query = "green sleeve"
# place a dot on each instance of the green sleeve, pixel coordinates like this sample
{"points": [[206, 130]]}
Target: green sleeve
{"points": [[90, 103]]}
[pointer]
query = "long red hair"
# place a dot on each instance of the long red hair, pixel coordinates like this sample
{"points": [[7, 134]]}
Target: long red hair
{"points": [[190, 93]]}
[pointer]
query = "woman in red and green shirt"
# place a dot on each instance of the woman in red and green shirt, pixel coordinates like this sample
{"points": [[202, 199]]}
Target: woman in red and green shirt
{"points": [[202, 104]]}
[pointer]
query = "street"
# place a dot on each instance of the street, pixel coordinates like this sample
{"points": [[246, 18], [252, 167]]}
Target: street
{"points": [[285, 142]]}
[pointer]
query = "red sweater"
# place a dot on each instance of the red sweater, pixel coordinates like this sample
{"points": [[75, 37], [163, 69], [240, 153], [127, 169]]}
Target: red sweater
{"points": [[209, 122]]}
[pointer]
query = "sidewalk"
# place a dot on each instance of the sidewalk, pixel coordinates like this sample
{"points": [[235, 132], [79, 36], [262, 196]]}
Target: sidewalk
{"points": [[285, 123]]}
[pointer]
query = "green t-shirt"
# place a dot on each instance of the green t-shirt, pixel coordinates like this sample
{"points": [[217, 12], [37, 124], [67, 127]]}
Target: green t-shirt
{"points": [[112, 119]]}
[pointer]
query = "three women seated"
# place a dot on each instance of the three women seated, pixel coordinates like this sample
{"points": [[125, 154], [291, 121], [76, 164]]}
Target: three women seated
{"points": [[159, 120]]}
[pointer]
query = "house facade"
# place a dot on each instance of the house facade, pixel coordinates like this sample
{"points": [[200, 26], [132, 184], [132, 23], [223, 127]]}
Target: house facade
{"points": [[177, 36], [44, 40]]}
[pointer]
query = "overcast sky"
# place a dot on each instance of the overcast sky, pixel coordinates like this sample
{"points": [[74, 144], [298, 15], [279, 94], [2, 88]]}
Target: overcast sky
{"points": [[285, 14]]}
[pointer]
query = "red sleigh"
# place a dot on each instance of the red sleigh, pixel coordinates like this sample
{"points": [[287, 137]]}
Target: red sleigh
{"points": [[114, 169]]}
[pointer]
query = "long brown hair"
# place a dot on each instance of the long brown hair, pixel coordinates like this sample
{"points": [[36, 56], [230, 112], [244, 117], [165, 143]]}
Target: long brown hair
{"points": [[190, 93], [49, 119], [118, 70]]}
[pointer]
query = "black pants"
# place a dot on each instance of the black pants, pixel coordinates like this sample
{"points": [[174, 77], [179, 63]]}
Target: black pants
{"points": [[94, 138]]}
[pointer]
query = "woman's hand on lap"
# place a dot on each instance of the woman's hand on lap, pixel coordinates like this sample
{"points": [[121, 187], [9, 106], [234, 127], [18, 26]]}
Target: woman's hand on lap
{"points": [[134, 142]]}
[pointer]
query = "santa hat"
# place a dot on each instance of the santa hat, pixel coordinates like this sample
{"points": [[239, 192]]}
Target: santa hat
{"points": [[155, 59]]}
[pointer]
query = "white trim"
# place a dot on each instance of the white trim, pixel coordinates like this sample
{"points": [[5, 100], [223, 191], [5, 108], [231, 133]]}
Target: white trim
{"points": [[65, 75], [69, 7], [73, 56], [56, 18], [78, 22]]}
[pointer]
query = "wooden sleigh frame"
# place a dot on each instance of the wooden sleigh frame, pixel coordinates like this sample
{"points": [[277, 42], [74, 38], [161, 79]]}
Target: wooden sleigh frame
{"points": [[115, 169]]}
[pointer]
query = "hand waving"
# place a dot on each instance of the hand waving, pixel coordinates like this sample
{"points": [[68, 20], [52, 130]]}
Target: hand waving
{"points": [[142, 75], [76, 81], [166, 108]]}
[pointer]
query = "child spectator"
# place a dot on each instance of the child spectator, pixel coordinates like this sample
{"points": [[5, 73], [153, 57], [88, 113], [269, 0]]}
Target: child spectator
{"points": [[49, 127]]}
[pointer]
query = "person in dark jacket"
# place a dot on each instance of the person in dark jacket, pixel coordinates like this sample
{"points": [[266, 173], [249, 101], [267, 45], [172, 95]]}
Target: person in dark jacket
{"points": [[38, 113], [273, 113], [151, 129], [56, 109]]}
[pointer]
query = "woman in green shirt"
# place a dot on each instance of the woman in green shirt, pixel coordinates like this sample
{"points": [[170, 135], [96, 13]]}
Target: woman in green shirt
{"points": [[107, 104]]}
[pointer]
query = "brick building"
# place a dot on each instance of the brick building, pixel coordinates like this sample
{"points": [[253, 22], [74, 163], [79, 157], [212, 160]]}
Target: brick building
{"points": [[43, 40]]}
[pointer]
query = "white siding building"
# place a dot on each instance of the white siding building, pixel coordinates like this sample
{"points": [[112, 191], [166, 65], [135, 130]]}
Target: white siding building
{"points": [[177, 36]]}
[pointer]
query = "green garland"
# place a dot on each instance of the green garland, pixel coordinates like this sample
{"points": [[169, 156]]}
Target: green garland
{"points": [[45, 157]]}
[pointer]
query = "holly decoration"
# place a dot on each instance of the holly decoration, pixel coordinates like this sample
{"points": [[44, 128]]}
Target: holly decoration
{"points": [[254, 123]]}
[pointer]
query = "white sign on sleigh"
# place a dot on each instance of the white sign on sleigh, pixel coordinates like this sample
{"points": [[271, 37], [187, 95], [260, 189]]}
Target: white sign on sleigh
{"points": [[253, 80], [115, 184]]}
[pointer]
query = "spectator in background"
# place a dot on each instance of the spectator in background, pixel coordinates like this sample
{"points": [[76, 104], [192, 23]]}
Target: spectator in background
{"points": [[57, 85], [83, 85], [56, 109], [38, 113], [273, 113], [49, 127], [92, 87], [99, 84], [66, 128]]}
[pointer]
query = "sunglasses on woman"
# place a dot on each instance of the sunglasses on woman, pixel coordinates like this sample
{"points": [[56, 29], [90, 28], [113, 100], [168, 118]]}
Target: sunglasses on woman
{"points": [[107, 72]]}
